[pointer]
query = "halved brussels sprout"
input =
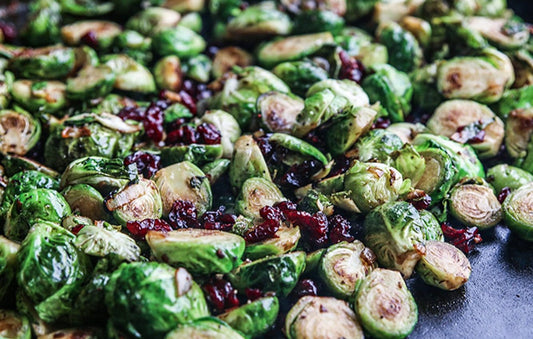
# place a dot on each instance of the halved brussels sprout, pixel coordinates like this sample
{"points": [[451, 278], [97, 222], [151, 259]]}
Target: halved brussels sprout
{"points": [[104, 32], [285, 240], [72, 333], [85, 56], [208, 327], [292, 48], [90, 83], [260, 21], [395, 232], [248, 162], [504, 175], [85, 201], [419, 28], [344, 266], [347, 127], [518, 132], [167, 72], [42, 24], [130, 75], [385, 306], [300, 75], [474, 204], [410, 164], [227, 57], [198, 68], [317, 110], [135, 201], [228, 127], [216, 169], [100, 241], [135, 45], [168, 297], [407, 131], [40, 96], [278, 111], [443, 266], [13, 164], [314, 201], [352, 94], [317, 20], [152, 20], [463, 120], [255, 318], [14, 325], [513, 99], [8, 267], [179, 41], [518, 212], [298, 146], [504, 33], [86, 7], [196, 154], [256, 193], [183, 181], [377, 146], [44, 63], [322, 317], [404, 51], [276, 273], [31, 207], [19, 132]]}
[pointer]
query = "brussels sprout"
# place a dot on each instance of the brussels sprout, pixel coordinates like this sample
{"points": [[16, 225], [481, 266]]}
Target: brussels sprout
{"points": [[443, 266], [104, 32], [407, 131], [135, 201], [8, 262], [298, 146], [183, 181], [425, 92], [130, 75], [72, 333], [377, 145], [227, 57], [276, 273], [419, 28], [167, 72], [200, 251], [86, 7], [317, 110], [503, 175], [255, 318], [153, 20], [179, 41], [292, 48], [474, 204], [228, 127], [174, 112], [463, 120], [241, 225], [13, 325], [385, 306], [216, 169], [432, 228], [198, 68], [316, 21], [395, 232], [347, 127], [518, 133], [85, 201], [13, 164], [322, 317], [51, 270], [502, 32], [404, 51], [85, 56], [45, 63], [258, 21], [196, 154], [300, 75], [99, 241], [209, 327], [193, 20], [147, 300], [410, 164], [256, 193], [312, 260], [278, 111], [348, 90], [514, 99], [247, 162], [356, 9], [392, 88], [31, 207], [135, 45], [344, 266], [6, 84], [103, 174], [113, 103], [185, 6], [314, 201], [19, 132], [518, 213], [42, 23], [285, 240], [44, 96], [90, 83]]}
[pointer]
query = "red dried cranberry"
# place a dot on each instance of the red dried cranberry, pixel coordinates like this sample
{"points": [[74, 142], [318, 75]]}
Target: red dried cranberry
{"points": [[184, 135], [266, 230], [188, 101], [303, 288], [339, 229], [300, 174], [183, 214], [90, 39], [314, 227], [218, 220], [381, 123], [351, 68], [208, 134], [253, 293], [419, 199], [9, 31], [139, 228], [147, 163], [340, 166], [221, 294], [76, 229], [132, 113], [271, 213], [464, 239], [503, 194], [153, 123], [285, 206]]}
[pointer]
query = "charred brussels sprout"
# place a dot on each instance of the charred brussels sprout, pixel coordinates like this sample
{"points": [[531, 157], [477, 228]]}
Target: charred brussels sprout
{"points": [[40, 96], [179, 41], [101, 241], [404, 51], [208, 327], [136, 201], [91, 82], [300, 75], [503, 175], [183, 181], [344, 266], [8, 262], [45, 63], [313, 317], [19, 132], [518, 134], [167, 72], [385, 306], [255, 318], [514, 99], [153, 20], [248, 162], [276, 273], [257, 192], [228, 127], [103, 32], [31, 207], [444, 266], [258, 21], [504, 33], [200, 251], [279, 111], [518, 213], [230, 56], [14, 325], [284, 240], [377, 146], [130, 75], [150, 299]]}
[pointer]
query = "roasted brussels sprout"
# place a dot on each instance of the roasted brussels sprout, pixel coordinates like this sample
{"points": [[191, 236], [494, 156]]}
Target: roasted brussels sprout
{"points": [[300, 75], [85, 201], [314, 201], [257, 192], [228, 127], [101, 241], [198, 68], [316, 21], [385, 306], [42, 24], [248, 162], [19, 132], [502, 32], [152, 20], [407, 131], [130, 75], [196, 154], [103, 32], [255, 318], [518, 134], [284, 240], [344, 266], [517, 211], [227, 57], [216, 169], [39, 96], [46, 63], [503, 175], [179, 41], [313, 317], [8, 270], [168, 297], [183, 181], [278, 111], [91, 82], [260, 21], [377, 146], [14, 325], [404, 51], [204, 328], [514, 99], [13, 164]]}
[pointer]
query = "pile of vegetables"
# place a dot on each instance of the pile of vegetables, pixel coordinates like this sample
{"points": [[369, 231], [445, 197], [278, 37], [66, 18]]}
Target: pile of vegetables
{"points": [[225, 169]]}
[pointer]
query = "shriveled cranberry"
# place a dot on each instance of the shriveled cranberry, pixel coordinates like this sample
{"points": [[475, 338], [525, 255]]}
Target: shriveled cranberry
{"points": [[9, 31], [253, 293], [76, 229], [419, 199], [503, 194], [266, 230], [183, 214], [473, 133], [196, 90], [340, 166], [208, 134], [139, 228], [147, 163], [314, 227], [303, 288], [188, 101], [464, 239], [185, 135], [339, 229], [351, 68], [218, 220], [285, 206], [299, 175], [271, 213], [381, 123], [153, 122], [132, 113], [221, 294], [90, 39]]}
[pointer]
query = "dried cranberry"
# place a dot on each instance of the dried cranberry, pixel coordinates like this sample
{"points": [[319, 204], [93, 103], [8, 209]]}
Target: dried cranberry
{"points": [[340, 166], [300, 174], [271, 213], [221, 294], [273, 153], [147, 163], [419, 199], [503, 194], [208, 134], [218, 220], [9, 31], [90, 39], [183, 214], [253, 293], [184, 135], [132, 113], [188, 101], [314, 227], [381, 123], [464, 239], [266, 230], [153, 122], [339, 229], [139, 228], [303, 288], [285, 206], [351, 68], [76, 229]]}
